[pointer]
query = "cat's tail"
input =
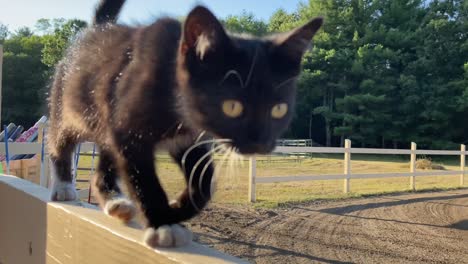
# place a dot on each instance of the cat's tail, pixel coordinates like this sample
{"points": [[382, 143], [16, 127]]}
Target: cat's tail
{"points": [[107, 11]]}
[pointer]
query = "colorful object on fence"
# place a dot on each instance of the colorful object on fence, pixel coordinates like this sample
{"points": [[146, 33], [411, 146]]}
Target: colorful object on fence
{"points": [[16, 134], [10, 128], [1, 168], [6, 151], [33, 137], [28, 136]]}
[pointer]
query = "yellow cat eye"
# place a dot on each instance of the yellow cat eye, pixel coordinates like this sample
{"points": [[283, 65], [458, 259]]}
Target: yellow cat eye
{"points": [[279, 111], [232, 108]]}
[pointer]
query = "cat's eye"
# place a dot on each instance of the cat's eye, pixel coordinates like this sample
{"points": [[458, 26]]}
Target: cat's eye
{"points": [[232, 108], [279, 111]]}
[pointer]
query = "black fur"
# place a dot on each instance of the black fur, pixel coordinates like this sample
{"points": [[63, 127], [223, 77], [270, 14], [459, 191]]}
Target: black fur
{"points": [[107, 11], [135, 90]]}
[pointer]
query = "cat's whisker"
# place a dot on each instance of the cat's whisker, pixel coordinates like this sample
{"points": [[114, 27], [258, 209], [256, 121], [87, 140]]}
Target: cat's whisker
{"points": [[233, 169], [235, 163], [229, 167], [192, 173], [222, 149], [241, 158], [238, 161], [284, 82], [200, 136], [219, 167], [203, 142], [231, 164]]}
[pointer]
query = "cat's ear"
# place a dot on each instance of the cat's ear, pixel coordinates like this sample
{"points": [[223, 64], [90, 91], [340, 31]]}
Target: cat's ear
{"points": [[295, 43], [203, 33]]}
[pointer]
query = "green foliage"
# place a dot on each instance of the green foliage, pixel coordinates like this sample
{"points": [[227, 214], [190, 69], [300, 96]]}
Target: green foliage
{"points": [[28, 64], [3, 33], [23, 32], [281, 21], [245, 23], [382, 72], [48, 26], [55, 44], [24, 78]]}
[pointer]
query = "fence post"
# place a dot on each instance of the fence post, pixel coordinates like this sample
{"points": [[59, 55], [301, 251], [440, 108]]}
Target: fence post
{"points": [[252, 175], [462, 164], [347, 165], [413, 167]]}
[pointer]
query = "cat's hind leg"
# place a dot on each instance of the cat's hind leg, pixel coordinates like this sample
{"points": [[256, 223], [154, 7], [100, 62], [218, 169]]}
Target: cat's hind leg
{"points": [[61, 147], [107, 191]]}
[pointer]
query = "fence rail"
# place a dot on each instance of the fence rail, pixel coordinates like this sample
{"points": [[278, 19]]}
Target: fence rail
{"points": [[347, 151], [347, 175]]}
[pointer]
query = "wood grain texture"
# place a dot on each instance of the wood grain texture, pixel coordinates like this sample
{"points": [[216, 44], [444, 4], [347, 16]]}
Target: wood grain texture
{"points": [[34, 230]]}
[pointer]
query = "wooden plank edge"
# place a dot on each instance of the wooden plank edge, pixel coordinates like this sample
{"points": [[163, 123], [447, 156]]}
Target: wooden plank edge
{"points": [[77, 219]]}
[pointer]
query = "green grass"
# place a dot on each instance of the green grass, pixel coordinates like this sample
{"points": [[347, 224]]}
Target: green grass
{"points": [[232, 180]]}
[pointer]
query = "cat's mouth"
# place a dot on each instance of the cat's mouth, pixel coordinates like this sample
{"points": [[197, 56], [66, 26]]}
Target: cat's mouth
{"points": [[246, 147], [253, 148]]}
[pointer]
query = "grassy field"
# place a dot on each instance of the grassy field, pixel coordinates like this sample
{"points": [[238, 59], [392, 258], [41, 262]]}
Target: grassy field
{"points": [[232, 178]]}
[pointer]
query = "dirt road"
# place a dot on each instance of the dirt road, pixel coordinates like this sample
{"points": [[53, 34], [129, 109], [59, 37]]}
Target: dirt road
{"points": [[410, 228]]}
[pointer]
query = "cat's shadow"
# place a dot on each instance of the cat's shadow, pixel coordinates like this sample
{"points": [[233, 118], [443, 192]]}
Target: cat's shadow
{"points": [[461, 225], [274, 251]]}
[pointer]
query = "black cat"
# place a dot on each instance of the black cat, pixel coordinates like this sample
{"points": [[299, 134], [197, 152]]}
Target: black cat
{"points": [[133, 90]]}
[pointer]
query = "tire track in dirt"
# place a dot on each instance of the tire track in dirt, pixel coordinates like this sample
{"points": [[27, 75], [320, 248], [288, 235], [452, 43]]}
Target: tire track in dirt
{"points": [[409, 228]]}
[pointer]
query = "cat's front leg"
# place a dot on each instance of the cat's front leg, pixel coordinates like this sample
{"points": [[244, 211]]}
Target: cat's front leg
{"points": [[196, 164], [162, 221]]}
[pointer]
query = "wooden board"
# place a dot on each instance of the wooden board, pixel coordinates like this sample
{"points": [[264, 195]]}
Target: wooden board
{"points": [[34, 230]]}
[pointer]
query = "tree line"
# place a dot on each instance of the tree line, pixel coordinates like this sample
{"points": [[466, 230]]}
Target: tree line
{"points": [[382, 73], [28, 64]]}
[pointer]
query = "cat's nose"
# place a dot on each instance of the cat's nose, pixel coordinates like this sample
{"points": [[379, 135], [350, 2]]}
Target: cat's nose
{"points": [[255, 136], [256, 148]]}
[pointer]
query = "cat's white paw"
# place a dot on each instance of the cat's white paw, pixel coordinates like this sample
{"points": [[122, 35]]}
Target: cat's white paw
{"points": [[121, 208], [168, 236], [63, 191]]}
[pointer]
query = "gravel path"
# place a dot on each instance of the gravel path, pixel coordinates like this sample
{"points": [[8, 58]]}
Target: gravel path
{"points": [[411, 228]]}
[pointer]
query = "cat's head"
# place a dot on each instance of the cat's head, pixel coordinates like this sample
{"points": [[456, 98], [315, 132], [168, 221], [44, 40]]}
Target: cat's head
{"points": [[239, 88]]}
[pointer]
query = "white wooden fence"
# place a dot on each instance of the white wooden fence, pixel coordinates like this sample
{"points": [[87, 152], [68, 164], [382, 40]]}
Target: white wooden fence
{"points": [[294, 142], [35, 148], [348, 175], [15, 148]]}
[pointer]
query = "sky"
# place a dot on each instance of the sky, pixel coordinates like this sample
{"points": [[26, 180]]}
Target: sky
{"points": [[18, 13]]}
